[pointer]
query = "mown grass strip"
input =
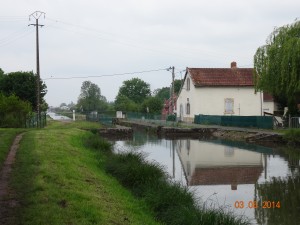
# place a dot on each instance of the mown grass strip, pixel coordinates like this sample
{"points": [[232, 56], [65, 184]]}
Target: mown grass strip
{"points": [[171, 203], [59, 181]]}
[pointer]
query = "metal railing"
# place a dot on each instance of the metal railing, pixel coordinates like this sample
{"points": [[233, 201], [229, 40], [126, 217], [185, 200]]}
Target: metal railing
{"points": [[295, 122]]}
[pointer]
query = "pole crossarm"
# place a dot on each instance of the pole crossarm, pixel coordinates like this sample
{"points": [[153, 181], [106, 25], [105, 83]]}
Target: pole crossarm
{"points": [[37, 15]]}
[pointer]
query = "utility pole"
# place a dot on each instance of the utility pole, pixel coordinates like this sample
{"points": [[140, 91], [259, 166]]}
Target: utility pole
{"points": [[36, 15], [172, 88], [173, 77]]}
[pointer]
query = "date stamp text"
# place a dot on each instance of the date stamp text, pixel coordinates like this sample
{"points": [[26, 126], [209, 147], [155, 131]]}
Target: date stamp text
{"points": [[255, 204]]}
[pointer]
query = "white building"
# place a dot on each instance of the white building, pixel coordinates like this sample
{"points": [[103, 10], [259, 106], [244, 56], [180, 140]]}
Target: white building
{"points": [[218, 91]]}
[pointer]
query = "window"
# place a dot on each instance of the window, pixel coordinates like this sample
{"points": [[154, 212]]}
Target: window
{"points": [[188, 108], [188, 84], [229, 106]]}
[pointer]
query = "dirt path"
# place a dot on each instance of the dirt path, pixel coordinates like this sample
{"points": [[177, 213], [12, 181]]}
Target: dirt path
{"points": [[7, 197]]}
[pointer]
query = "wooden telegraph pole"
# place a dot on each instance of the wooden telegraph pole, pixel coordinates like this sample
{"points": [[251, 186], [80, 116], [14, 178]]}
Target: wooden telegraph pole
{"points": [[172, 98], [36, 15]]}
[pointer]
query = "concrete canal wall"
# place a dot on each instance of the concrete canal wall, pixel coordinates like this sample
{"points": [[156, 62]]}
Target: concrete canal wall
{"points": [[263, 137], [114, 133]]}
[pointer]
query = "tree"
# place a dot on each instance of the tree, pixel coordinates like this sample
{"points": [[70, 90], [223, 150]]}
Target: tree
{"points": [[135, 89], [162, 93], [1, 73], [123, 103], [23, 85], [177, 86], [277, 65], [152, 105], [90, 98]]}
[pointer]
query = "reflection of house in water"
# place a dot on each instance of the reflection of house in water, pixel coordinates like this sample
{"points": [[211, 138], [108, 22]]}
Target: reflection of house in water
{"points": [[208, 163]]}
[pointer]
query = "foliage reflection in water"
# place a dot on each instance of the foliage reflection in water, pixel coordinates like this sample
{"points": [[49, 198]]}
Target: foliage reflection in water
{"points": [[230, 175]]}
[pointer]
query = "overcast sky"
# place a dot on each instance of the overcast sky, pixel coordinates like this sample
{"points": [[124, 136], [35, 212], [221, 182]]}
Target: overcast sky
{"points": [[96, 37]]}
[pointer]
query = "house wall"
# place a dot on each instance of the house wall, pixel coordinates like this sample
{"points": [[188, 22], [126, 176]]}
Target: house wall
{"points": [[211, 101], [269, 107]]}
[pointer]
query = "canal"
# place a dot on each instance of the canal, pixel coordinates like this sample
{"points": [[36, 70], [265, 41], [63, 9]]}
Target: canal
{"points": [[259, 183]]}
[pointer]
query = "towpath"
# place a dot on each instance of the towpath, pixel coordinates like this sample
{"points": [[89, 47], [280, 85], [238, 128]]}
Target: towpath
{"points": [[7, 197]]}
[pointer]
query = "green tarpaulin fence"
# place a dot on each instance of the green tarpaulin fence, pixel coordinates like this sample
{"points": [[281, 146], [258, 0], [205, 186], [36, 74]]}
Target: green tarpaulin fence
{"points": [[265, 122]]}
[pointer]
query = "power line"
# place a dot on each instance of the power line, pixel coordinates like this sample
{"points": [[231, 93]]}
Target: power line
{"points": [[135, 43], [9, 40], [13, 18], [104, 75]]}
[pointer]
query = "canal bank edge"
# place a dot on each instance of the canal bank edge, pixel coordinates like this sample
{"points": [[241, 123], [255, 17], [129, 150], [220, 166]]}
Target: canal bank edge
{"points": [[261, 137]]}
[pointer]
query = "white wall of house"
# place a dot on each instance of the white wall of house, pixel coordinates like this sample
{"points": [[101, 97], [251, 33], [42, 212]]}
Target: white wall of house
{"points": [[270, 107], [212, 101]]}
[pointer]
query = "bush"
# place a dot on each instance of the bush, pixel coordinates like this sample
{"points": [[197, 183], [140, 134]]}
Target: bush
{"points": [[171, 117], [13, 111]]}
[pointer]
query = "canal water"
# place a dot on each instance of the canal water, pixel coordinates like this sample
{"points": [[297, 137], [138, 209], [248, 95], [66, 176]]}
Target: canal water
{"points": [[259, 183]]}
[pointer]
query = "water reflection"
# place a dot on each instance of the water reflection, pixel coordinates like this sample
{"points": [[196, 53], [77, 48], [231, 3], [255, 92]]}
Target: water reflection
{"points": [[206, 163], [284, 191], [220, 173]]}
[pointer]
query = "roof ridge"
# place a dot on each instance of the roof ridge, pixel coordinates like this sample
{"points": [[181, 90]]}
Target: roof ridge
{"points": [[221, 76]]}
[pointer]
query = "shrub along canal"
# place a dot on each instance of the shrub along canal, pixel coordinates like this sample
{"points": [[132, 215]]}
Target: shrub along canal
{"points": [[259, 183]]}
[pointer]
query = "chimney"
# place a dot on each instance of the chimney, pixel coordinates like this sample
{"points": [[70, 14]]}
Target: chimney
{"points": [[233, 64]]}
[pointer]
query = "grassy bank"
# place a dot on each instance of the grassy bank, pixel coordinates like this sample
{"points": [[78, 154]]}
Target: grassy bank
{"points": [[170, 203], [7, 137], [292, 136], [60, 181]]}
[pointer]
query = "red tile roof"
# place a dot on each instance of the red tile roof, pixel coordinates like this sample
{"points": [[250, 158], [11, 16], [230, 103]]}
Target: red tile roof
{"points": [[221, 76]]}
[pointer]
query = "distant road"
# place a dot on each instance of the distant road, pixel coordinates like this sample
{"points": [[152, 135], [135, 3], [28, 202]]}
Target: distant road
{"points": [[57, 116]]}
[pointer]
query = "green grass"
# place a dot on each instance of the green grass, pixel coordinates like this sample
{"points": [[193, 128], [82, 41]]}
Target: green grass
{"points": [[7, 137], [80, 124], [292, 136], [60, 181]]}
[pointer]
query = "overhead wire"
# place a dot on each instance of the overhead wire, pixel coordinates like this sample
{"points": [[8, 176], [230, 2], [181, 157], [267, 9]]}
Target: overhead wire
{"points": [[105, 75], [14, 37], [13, 18], [183, 53], [17, 34], [99, 35]]}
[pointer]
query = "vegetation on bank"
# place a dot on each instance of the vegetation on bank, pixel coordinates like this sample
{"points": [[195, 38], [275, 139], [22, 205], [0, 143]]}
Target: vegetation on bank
{"points": [[170, 203], [13, 111], [292, 136], [60, 181]]}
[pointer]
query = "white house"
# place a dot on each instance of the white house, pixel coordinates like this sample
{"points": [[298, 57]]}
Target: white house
{"points": [[218, 91]]}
